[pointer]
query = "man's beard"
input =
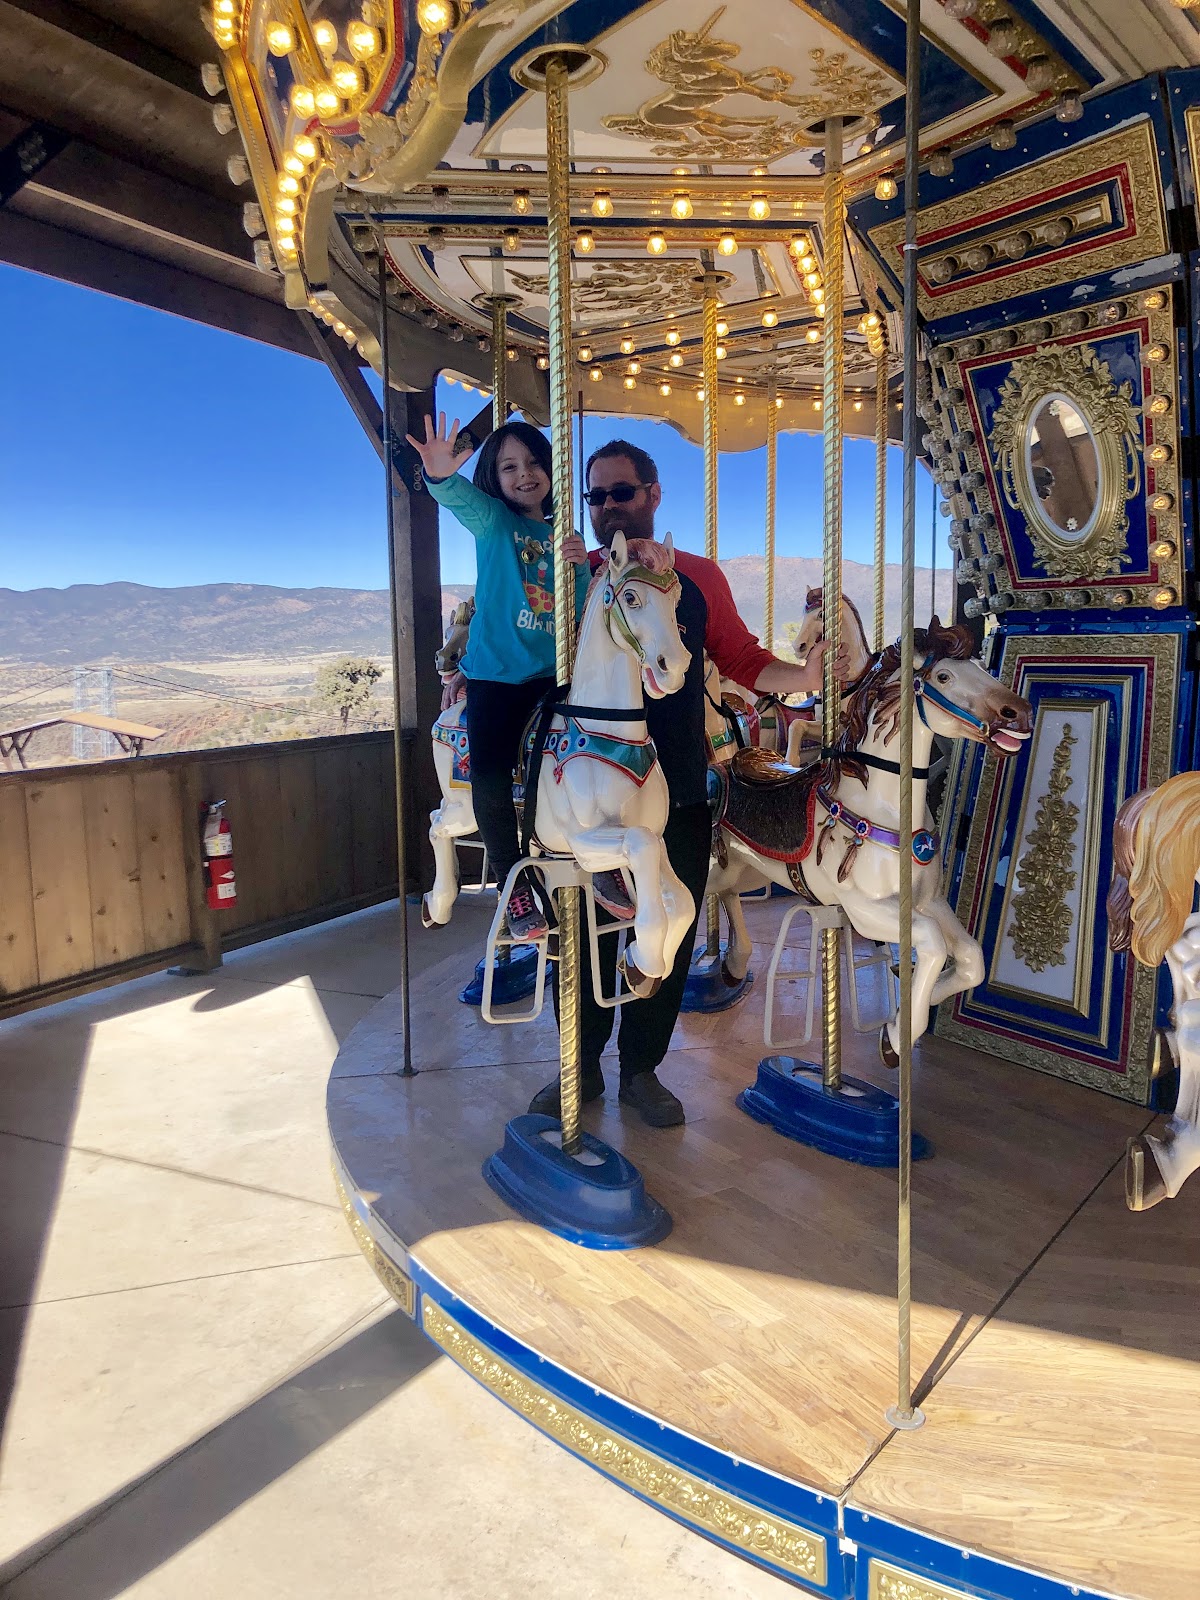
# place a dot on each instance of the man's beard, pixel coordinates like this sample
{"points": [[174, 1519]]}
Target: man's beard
{"points": [[622, 519]]}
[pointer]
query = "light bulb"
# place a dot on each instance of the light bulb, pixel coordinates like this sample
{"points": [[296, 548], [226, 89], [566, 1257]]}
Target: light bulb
{"points": [[286, 184], [512, 241], [886, 189], [281, 41], [664, 389], [656, 243], [521, 202], [858, 405], [328, 101], [287, 244], [799, 244], [722, 329], [326, 37], [721, 352], [872, 319], [807, 263], [778, 402], [595, 374], [602, 205], [818, 294], [584, 242], [286, 207], [303, 100], [770, 319], [813, 335], [727, 245], [1002, 38], [941, 163], [819, 308], [1004, 136], [681, 207], [585, 352], [436, 16], [812, 280], [675, 359], [673, 336], [630, 383], [699, 394], [305, 147], [293, 164], [758, 209], [634, 368], [627, 347], [816, 405], [510, 353], [1069, 108], [543, 363], [347, 78], [224, 8], [739, 399], [362, 40]]}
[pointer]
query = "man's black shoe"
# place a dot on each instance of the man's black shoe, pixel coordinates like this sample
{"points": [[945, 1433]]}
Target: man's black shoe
{"points": [[657, 1104], [546, 1103]]}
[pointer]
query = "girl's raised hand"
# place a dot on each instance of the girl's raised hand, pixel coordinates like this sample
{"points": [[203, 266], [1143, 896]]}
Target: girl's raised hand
{"points": [[438, 454]]}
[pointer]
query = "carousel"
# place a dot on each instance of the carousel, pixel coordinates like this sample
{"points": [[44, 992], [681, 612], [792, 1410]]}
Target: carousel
{"points": [[908, 1307]]}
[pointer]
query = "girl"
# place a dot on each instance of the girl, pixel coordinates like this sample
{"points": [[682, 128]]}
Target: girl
{"points": [[509, 659]]}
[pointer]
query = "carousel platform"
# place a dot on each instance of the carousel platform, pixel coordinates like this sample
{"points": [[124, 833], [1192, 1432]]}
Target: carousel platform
{"points": [[736, 1375]]}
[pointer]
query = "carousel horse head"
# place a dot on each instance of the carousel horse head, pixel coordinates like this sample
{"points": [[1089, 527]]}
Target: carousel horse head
{"points": [[1156, 865], [956, 696], [449, 658], [640, 592], [812, 630]]}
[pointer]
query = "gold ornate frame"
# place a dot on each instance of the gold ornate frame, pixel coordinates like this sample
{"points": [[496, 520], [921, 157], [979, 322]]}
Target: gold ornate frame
{"points": [[1076, 374]]}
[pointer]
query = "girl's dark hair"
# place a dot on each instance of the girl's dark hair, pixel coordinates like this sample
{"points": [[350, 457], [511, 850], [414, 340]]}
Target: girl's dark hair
{"points": [[487, 470]]}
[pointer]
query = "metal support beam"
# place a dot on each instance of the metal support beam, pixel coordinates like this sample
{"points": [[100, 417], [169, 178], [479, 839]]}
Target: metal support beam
{"points": [[23, 157]]}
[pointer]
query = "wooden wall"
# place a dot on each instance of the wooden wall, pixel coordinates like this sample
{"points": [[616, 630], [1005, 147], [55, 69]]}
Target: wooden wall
{"points": [[100, 874]]}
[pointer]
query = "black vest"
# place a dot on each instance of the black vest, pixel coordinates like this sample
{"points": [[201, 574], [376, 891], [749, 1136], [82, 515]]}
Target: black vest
{"points": [[676, 722]]}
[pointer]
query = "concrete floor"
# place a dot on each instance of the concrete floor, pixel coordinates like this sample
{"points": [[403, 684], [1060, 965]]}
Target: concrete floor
{"points": [[204, 1390]]}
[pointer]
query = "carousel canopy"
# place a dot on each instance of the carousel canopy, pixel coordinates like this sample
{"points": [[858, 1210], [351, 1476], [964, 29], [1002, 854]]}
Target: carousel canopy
{"points": [[698, 134]]}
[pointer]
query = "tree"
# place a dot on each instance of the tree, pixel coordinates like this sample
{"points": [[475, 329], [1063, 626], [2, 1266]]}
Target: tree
{"points": [[347, 685]]}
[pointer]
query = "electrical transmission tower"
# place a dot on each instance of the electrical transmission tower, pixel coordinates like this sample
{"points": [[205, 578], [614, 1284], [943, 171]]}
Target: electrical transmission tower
{"points": [[94, 692]]}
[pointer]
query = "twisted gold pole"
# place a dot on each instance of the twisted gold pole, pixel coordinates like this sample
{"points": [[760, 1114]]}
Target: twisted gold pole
{"points": [[712, 943], [831, 694], [558, 202], [881, 449], [499, 360], [769, 539]]}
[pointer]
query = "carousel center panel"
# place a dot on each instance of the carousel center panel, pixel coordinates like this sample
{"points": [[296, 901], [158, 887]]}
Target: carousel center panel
{"points": [[736, 1375]]}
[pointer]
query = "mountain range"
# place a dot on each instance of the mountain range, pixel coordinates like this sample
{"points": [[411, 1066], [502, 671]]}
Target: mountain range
{"points": [[126, 622]]}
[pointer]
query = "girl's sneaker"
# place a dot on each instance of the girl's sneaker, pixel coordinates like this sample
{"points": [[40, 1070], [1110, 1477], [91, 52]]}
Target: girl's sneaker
{"points": [[610, 891], [523, 915]]}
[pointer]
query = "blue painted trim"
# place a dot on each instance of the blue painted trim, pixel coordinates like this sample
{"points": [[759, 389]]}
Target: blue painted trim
{"points": [[925, 1556], [817, 1514]]}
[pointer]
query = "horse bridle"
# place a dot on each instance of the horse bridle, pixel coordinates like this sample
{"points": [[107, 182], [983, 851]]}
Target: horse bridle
{"points": [[664, 582], [923, 690]]}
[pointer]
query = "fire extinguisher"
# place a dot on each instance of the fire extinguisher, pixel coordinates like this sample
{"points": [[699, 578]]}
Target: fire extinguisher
{"points": [[216, 843]]}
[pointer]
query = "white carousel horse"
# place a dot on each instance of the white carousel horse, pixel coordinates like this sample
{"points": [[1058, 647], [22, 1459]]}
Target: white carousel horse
{"points": [[831, 830], [1156, 866], [601, 796], [800, 727], [454, 646]]}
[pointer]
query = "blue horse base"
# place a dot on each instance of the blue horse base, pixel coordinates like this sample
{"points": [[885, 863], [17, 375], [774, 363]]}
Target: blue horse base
{"points": [[515, 979], [856, 1122], [596, 1199], [707, 988]]}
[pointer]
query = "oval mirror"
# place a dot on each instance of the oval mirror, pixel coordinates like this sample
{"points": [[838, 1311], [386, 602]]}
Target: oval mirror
{"points": [[1063, 463]]}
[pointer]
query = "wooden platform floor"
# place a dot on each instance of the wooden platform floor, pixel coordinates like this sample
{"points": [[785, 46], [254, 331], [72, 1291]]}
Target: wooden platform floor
{"points": [[1056, 1337]]}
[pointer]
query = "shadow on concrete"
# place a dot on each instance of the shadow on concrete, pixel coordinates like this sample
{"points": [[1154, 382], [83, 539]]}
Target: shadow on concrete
{"points": [[111, 1546]]}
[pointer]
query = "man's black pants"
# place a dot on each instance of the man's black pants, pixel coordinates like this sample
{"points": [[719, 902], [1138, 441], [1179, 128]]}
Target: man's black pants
{"points": [[646, 1025]]}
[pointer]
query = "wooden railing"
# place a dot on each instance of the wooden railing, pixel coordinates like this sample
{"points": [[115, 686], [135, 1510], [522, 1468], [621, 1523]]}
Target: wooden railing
{"points": [[100, 868]]}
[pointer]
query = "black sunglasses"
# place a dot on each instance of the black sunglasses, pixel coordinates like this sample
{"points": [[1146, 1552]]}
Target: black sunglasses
{"points": [[620, 493]]}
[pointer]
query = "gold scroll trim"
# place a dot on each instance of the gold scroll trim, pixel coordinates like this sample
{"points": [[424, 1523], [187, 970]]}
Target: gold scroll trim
{"points": [[1132, 147], [890, 1583], [733, 1521], [398, 1284]]}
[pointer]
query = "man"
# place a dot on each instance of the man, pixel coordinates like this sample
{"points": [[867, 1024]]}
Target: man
{"points": [[624, 494]]}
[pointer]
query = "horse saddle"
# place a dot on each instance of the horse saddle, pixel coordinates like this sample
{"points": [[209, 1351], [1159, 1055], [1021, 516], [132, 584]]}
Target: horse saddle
{"points": [[765, 803]]}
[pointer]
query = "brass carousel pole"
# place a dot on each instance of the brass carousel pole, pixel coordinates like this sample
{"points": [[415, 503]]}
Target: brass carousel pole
{"points": [[712, 947], [881, 448], [499, 360], [768, 638], [389, 468], [558, 207], [831, 695], [904, 1414]]}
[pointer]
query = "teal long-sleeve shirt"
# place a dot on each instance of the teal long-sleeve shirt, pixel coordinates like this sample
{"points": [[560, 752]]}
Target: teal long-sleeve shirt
{"points": [[512, 632]]}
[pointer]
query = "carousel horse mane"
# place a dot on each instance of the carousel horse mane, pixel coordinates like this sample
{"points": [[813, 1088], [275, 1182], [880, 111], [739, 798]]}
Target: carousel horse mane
{"points": [[1156, 857], [879, 691]]}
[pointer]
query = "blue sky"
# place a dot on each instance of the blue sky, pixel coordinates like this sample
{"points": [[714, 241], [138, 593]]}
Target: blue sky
{"points": [[140, 446]]}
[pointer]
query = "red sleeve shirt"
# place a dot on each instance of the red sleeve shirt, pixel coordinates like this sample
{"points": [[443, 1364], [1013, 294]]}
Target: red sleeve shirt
{"points": [[737, 653]]}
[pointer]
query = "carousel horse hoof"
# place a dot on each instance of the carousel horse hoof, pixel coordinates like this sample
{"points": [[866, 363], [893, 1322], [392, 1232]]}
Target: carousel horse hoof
{"points": [[729, 978], [1144, 1186], [639, 983], [886, 1054], [427, 919]]}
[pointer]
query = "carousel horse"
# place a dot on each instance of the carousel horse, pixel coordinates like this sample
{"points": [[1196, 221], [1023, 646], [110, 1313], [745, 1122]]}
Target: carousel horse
{"points": [[830, 830], [1156, 866], [800, 725], [601, 796], [454, 646]]}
